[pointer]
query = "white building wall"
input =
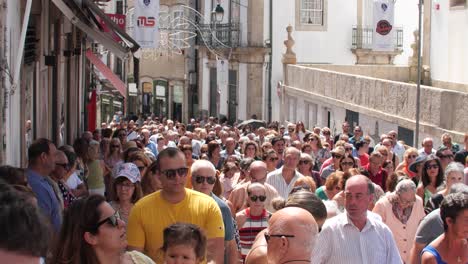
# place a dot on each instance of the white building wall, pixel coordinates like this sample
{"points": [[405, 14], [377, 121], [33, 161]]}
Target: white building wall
{"points": [[205, 88], [242, 92], [243, 22], [12, 37], [406, 16], [449, 42], [333, 45]]}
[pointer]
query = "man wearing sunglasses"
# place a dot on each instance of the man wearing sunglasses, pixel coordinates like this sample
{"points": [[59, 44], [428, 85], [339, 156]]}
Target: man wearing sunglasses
{"points": [[203, 180], [174, 203], [258, 173], [291, 236]]}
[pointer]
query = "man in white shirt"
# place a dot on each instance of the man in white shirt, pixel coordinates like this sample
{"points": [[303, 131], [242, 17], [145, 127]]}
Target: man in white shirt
{"points": [[427, 147], [398, 148], [352, 236], [283, 179]]}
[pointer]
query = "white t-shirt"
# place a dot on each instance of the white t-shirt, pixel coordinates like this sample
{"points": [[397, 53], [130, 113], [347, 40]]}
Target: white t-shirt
{"points": [[73, 181]]}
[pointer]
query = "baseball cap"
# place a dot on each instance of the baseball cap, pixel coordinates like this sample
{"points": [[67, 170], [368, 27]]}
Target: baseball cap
{"points": [[129, 171]]}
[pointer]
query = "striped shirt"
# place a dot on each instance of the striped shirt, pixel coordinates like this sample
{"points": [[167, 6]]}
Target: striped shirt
{"points": [[275, 179], [249, 230], [341, 242]]}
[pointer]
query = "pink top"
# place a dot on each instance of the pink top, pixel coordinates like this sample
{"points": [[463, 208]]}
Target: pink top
{"points": [[403, 234]]}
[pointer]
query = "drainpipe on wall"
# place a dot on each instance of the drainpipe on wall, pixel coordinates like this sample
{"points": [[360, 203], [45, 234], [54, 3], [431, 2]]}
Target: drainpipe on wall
{"points": [[270, 60]]}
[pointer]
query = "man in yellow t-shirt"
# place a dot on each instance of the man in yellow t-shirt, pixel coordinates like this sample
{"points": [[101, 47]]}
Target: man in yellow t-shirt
{"points": [[174, 203]]}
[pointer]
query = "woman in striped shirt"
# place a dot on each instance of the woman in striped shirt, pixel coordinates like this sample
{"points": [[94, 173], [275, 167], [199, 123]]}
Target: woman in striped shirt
{"points": [[254, 218]]}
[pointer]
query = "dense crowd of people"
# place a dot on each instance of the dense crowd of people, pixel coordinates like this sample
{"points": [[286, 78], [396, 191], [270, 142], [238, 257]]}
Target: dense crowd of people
{"points": [[158, 191]]}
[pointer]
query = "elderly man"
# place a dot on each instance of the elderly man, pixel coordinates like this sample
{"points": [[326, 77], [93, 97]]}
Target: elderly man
{"points": [[41, 155], [402, 211], [258, 173], [147, 222], [397, 147], [145, 133], [353, 236], [376, 173], [283, 179], [230, 149], [58, 176], [203, 180], [291, 236], [427, 147]]}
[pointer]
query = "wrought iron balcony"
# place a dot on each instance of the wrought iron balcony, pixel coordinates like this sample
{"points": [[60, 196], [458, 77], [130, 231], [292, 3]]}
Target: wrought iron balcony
{"points": [[362, 38], [218, 36]]}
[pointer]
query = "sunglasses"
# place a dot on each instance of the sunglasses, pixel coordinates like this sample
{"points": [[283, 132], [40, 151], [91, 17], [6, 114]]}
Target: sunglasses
{"points": [[326, 133], [141, 168], [446, 156], [432, 166], [254, 198], [63, 165], [347, 164], [304, 162], [273, 159], [171, 173], [202, 179], [112, 220], [268, 236], [300, 188], [337, 156], [356, 130], [312, 139], [412, 156], [115, 146], [348, 149]]}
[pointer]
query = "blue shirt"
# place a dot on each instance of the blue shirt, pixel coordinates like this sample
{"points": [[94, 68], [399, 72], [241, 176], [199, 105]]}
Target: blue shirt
{"points": [[46, 198], [153, 148], [227, 218]]}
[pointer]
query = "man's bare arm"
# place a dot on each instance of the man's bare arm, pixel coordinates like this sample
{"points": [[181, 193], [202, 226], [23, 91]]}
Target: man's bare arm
{"points": [[215, 250]]}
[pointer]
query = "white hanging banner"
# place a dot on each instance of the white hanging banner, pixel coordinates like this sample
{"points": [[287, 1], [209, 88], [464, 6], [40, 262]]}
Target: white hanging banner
{"points": [[146, 24], [383, 37], [222, 72]]}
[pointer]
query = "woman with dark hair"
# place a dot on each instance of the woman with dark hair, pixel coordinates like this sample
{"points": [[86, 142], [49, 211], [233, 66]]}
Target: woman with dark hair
{"points": [[91, 233], [270, 157], [347, 162], [126, 189], [81, 146], [149, 181], [432, 178], [13, 176], [451, 246], [250, 150], [305, 167], [121, 134], [213, 154]]}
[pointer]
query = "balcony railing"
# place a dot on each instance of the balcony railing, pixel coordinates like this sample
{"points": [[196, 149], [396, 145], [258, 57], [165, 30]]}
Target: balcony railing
{"points": [[362, 38], [219, 35]]}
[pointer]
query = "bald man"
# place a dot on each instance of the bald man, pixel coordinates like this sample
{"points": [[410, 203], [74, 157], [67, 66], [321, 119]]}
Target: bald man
{"points": [[291, 236], [258, 173]]}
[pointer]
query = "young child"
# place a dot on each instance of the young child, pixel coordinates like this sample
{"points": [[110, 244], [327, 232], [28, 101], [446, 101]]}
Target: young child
{"points": [[184, 244]]}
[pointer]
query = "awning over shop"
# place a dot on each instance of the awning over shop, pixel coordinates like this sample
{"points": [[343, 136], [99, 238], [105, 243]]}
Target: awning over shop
{"points": [[80, 18], [113, 79]]}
